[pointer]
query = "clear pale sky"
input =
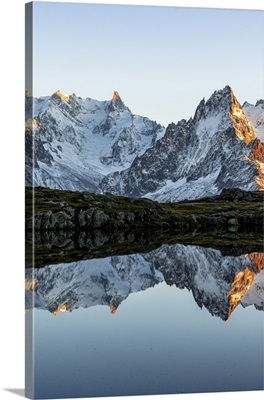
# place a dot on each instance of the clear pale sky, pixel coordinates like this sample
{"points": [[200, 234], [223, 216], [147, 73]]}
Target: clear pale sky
{"points": [[162, 60]]}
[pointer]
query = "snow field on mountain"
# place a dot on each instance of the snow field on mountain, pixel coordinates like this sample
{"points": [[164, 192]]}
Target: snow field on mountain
{"points": [[255, 294], [255, 115], [87, 139]]}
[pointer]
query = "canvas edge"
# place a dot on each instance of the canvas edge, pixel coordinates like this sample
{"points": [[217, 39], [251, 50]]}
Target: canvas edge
{"points": [[29, 256]]}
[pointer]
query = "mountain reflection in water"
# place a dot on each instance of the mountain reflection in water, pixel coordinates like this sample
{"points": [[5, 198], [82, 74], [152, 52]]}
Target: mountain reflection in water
{"points": [[217, 282]]}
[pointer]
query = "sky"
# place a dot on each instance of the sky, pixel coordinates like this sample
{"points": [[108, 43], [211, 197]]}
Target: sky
{"points": [[161, 60]]}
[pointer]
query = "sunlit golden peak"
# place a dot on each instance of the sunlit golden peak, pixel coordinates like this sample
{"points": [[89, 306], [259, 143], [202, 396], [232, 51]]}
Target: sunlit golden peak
{"points": [[242, 126], [115, 96], [112, 309], [64, 97], [60, 309], [242, 282], [257, 260]]}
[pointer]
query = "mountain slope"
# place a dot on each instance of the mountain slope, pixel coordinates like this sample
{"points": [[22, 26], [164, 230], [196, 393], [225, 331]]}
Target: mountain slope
{"points": [[255, 115], [73, 142], [215, 149]]}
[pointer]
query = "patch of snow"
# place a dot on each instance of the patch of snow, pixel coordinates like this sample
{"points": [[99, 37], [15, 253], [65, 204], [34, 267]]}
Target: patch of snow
{"points": [[255, 115]]}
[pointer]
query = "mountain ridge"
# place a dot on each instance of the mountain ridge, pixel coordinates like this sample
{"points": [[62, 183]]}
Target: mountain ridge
{"points": [[73, 142], [215, 149], [101, 146]]}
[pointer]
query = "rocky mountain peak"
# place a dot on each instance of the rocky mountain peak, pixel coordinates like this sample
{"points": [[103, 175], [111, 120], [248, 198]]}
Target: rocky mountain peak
{"points": [[115, 97], [241, 124], [196, 157], [116, 151], [200, 111], [113, 309], [260, 102], [257, 260], [82, 139], [247, 104], [62, 308], [117, 103], [64, 97], [219, 102], [242, 282]]}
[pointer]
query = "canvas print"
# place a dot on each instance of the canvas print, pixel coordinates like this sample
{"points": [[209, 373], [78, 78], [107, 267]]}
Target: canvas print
{"points": [[144, 172]]}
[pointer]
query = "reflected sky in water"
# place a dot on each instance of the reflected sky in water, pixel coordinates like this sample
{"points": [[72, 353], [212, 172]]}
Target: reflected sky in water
{"points": [[158, 341]]}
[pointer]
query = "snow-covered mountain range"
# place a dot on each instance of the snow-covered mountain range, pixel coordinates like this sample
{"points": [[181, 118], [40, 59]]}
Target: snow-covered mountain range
{"points": [[79, 141], [217, 282], [87, 283], [101, 146], [215, 149]]}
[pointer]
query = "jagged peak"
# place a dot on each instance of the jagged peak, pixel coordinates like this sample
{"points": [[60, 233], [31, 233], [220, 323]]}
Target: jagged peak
{"points": [[246, 104], [257, 260], [224, 101], [200, 110], [226, 92], [112, 309], [116, 97], [64, 97], [261, 101], [219, 101], [241, 124], [62, 308], [116, 102], [228, 89], [242, 282]]}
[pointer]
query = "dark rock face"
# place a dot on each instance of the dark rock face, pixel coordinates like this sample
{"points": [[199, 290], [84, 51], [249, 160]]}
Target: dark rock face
{"points": [[64, 210], [237, 195], [260, 102], [194, 158], [35, 152]]}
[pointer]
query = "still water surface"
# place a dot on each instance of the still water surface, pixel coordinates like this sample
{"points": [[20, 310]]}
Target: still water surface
{"points": [[133, 331]]}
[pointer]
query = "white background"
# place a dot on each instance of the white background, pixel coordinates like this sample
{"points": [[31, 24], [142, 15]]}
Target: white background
{"points": [[12, 192]]}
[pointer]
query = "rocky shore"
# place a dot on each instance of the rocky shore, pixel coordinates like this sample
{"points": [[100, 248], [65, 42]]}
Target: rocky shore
{"points": [[55, 210], [71, 226]]}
